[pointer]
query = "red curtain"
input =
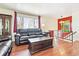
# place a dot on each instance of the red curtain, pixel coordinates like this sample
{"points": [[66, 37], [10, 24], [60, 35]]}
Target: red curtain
{"points": [[39, 21], [15, 21]]}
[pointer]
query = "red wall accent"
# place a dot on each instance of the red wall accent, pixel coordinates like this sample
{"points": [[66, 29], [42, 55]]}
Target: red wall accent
{"points": [[39, 21], [63, 19], [15, 21]]}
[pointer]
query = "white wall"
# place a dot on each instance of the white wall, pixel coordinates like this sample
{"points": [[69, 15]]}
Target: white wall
{"points": [[75, 21], [8, 12], [48, 23], [75, 24]]}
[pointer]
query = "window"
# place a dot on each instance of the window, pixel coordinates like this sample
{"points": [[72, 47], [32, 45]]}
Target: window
{"points": [[24, 22], [28, 23], [19, 22]]}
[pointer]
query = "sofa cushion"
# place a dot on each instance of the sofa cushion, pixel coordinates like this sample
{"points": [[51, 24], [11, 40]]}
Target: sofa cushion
{"points": [[24, 37], [4, 39], [5, 43], [24, 34], [38, 33], [34, 36], [3, 50], [31, 33]]}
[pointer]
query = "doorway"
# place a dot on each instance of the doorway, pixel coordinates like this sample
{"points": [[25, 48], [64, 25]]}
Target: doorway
{"points": [[65, 26]]}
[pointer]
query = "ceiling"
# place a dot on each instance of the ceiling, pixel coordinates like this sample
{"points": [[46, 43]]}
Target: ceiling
{"points": [[44, 9]]}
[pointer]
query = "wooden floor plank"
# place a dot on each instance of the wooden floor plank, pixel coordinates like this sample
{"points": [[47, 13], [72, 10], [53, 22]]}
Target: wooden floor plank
{"points": [[64, 49]]}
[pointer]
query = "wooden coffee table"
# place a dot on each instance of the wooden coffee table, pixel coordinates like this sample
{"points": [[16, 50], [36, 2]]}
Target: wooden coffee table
{"points": [[38, 44]]}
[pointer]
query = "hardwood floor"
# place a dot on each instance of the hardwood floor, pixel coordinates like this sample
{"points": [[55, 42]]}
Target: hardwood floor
{"points": [[20, 50], [64, 49]]}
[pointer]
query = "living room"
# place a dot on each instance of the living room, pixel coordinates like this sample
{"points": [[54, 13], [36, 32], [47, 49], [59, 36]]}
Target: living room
{"points": [[33, 29]]}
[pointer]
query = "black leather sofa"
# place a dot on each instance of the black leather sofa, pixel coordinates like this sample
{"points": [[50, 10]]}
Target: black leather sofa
{"points": [[22, 35], [5, 46]]}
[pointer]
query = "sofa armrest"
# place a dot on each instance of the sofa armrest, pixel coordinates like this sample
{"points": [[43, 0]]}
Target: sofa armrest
{"points": [[5, 38], [17, 39], [45, 33], [18, 34]]}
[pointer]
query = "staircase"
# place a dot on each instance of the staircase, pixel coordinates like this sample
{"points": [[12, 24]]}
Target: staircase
{"points": [[76, 36], [72, 36]]}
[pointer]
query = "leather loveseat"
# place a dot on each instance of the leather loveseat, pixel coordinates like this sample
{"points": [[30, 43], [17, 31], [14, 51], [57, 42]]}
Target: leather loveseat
{"points": [[5, 46], [22, 35]]}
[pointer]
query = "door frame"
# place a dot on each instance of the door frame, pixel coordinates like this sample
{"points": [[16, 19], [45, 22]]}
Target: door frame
{"points": [[64, 19]]}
